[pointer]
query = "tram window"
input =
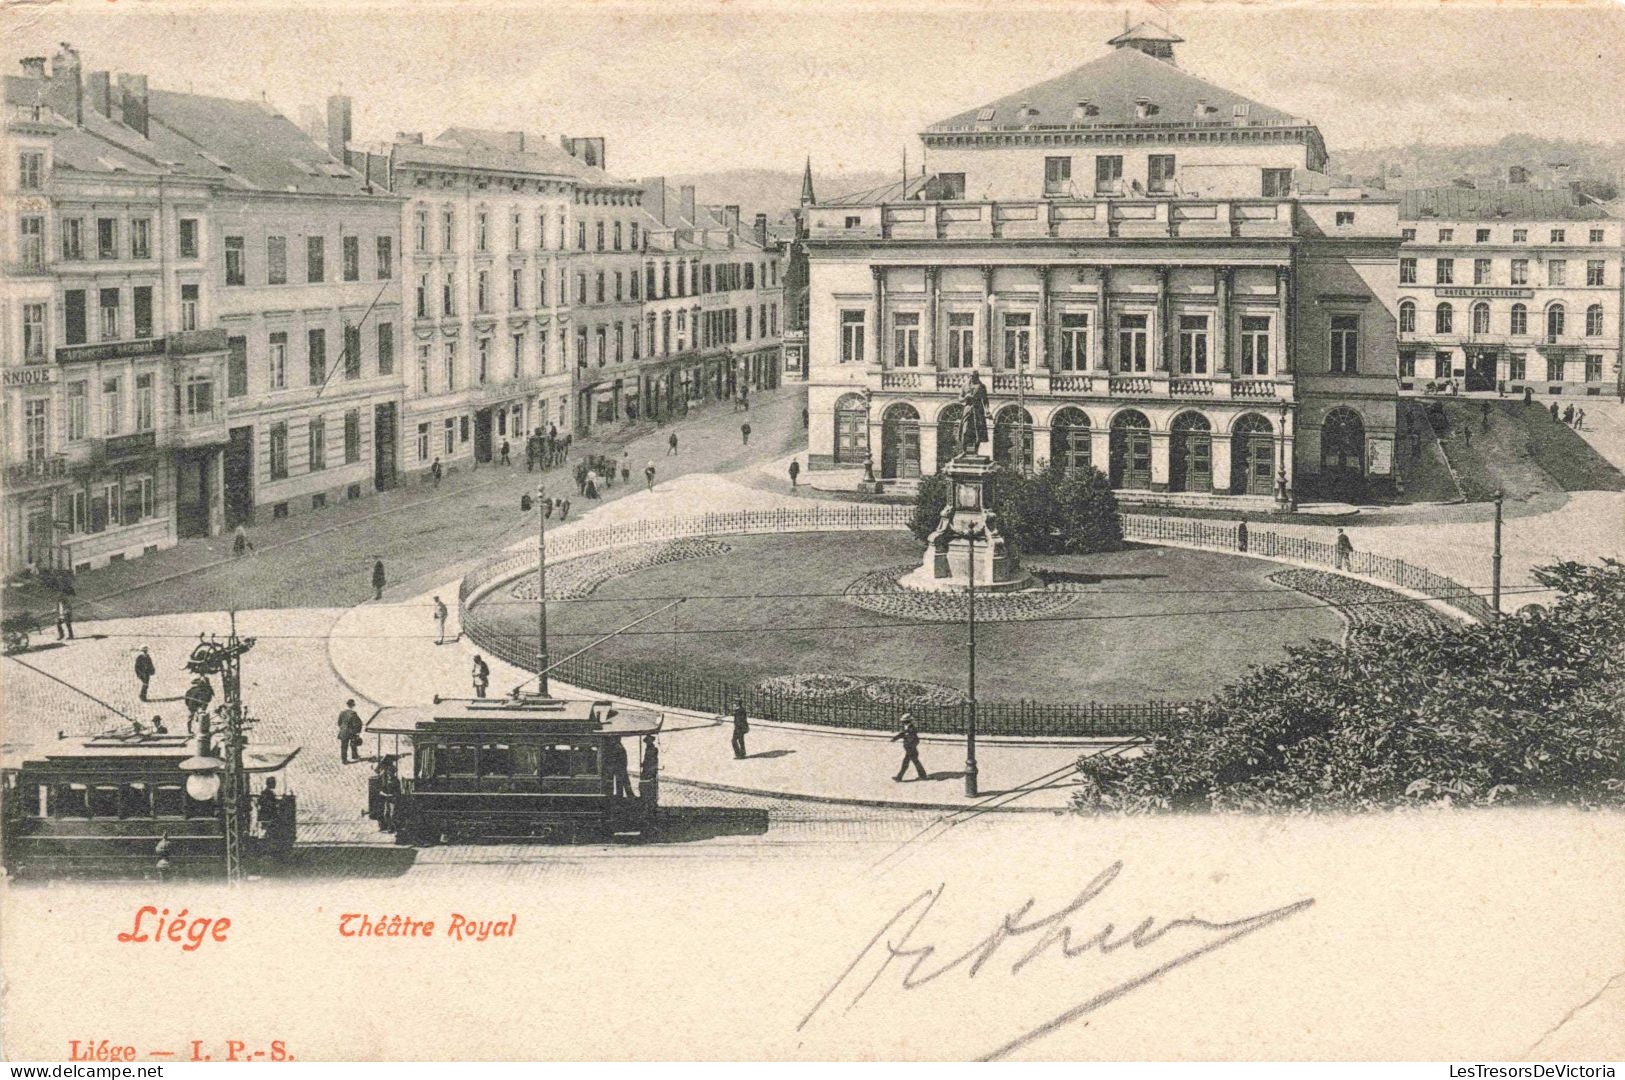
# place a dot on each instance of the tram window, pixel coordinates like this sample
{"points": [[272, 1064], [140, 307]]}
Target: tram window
{"points": [[496, 759], [44, 801], [457, 759], [427, 761], [195, 809], [71, 800], [527, 760], [167, 801], [572, 760], [104, 801], [137, 799]]}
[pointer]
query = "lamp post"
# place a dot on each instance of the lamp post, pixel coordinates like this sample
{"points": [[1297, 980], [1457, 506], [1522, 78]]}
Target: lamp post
{"points": [[541, 583], [1495, 559], [970, 719]]}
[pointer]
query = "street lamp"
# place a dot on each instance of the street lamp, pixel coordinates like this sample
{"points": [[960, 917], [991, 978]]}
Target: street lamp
{"points": [[541, 583], [970, 720], [202, 771]]}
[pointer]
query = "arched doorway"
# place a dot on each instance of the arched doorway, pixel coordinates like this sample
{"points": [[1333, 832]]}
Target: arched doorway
{"points": [[851, 430], [900, 442], [1131, 451], [1342, 448], [1069, 440], [1013, 438], [1190, 454], [948, 433], [1252, 455]]}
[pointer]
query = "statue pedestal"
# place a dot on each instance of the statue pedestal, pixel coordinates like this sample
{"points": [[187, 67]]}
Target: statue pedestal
{"points": [[968, 534]]}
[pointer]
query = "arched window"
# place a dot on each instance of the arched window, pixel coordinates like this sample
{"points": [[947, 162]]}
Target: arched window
{"points": [[1594, 320], [1520, 320], [1407, 317], [1555, 317], [1444, 319], [1481, 318]]}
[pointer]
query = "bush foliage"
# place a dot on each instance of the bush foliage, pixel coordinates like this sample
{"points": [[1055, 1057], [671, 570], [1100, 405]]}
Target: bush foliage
{"points": [[1530, 709], [1052, 512]]}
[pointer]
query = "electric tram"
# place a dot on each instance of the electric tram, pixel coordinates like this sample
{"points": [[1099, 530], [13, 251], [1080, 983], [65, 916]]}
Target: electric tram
{"points": [[526, 767], [136, 804]]}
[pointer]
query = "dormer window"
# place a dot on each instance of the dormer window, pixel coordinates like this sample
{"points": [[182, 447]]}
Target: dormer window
{"points": [[1145, 107], [1085, 109], [1028, 111], [1203, 110], [985, 115], [1240, 111]]}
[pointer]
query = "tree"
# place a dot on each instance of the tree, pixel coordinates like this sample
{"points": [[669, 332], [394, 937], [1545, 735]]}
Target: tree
{"points": [[1050, 512], [1529, 709]]}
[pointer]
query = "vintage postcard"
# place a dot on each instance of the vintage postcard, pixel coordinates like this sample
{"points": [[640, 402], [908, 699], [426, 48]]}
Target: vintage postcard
{"points": [[769, 531]]}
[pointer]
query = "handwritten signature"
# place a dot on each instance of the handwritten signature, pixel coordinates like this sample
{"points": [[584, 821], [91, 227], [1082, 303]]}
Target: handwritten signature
{"points": [[1048, 933]]}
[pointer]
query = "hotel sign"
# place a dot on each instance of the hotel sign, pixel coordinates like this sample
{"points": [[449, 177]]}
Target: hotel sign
{"points": [[1486, 292], [30, 376]]}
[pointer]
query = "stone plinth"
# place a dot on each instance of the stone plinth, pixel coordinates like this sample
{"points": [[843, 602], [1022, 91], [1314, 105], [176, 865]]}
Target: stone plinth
{"points": [[968, 531]]}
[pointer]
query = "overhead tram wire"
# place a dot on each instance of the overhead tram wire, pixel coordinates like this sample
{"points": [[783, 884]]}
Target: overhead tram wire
{"points": [[897, 625], [75, 689], [345, 352]]}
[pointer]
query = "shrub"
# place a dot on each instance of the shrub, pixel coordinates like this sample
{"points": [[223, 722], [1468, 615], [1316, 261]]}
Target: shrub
{"points": [[1530, 709], [1049, 512]]}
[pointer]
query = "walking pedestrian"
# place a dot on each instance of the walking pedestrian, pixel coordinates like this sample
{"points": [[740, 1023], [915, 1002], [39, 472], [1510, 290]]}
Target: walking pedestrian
{"points": [[744, 433], [795, 472], [505, 460], [439, 621], [1555, 416], [1500, 388], [1484, 416], [482, 676], [911, 750], [547, 506], [239, 542], [626, 467], [1344, 548], [349, 733], [581, 478], [144, 670], [530, 452], [1579, 419], [564, 508], [590, 486], [436, 472], [671, 444], [1466, 436], [64, 618], [1416, 445], [741, 728], [1528, 396], [649, 771], [649, 475], [1241, 535], [1568, 415], [378, 579]]}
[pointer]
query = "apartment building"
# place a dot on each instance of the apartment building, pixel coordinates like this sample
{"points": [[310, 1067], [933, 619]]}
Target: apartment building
{"points": [[1510, 288]]}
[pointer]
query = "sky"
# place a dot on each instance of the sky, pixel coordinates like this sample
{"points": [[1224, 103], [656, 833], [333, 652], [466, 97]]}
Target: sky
{"points": [[683, 86]]}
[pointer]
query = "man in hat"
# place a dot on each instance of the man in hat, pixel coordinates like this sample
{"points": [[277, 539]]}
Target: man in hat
{"points": [[349, 733], [911, 750], [144, 670], [741, 728]]}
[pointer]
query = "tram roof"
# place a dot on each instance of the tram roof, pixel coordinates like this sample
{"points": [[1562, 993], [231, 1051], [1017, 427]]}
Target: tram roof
{"points": [[514, 716], [133, 749]]}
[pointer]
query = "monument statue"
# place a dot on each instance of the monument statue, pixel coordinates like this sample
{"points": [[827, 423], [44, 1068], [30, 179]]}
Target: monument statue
{"points": [[973, 416]]}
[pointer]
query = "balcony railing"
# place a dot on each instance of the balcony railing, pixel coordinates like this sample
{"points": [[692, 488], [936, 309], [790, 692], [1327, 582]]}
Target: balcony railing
{"points": [[1220, 386], [1057, 217], [109, 350], [1132, 385], [42, 472], [189, 342], [901, 380]]}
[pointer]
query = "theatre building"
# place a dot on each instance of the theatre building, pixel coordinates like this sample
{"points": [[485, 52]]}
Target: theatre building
{"points": [[1153, 276]]}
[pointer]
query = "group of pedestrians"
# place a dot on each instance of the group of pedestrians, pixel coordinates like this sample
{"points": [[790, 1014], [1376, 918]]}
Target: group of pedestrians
{"points": [[908, 734], [546, 451], [1571, 416]]}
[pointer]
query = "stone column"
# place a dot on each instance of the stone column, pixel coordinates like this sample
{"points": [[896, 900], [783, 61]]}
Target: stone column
{"points": [[1160, 460], [1283, 300], [1103, 330], [1221, 332], [1161, 359], [988, 299], [1041, 330], [1221, 463], [877, 354], [933, 288]]}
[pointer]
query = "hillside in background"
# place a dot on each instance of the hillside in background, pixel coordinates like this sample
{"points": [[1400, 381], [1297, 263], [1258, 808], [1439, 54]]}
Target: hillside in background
{"points": [[1428, 165], [769, 191]]}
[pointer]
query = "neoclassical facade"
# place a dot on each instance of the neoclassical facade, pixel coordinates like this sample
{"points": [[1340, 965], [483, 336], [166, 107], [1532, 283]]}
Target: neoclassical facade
{"points": [[1206, 316]]}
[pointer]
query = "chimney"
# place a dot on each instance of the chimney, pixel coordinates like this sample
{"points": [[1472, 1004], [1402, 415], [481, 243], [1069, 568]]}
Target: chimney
{"points": [[66, 93], [761, 230], [133, 92], [685, 201], [589, 150], [99, 91], [338, 126], [654, 197], [34, 67]]}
